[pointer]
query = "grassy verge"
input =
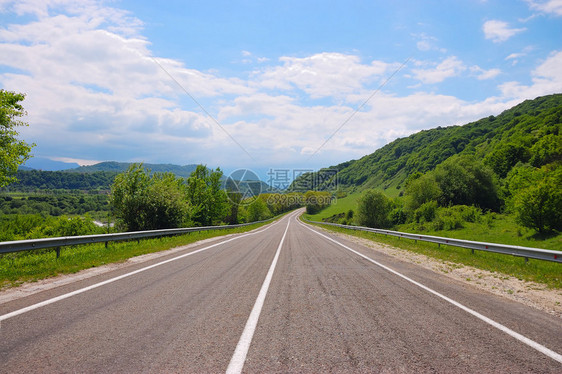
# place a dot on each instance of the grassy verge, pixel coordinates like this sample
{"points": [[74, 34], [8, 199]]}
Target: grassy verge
{"points": [[341, 205], [544, 272], [17, 268], [501, 229]]}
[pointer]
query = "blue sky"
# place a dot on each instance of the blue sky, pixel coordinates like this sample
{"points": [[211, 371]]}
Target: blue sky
{"points": [[262, 84]]}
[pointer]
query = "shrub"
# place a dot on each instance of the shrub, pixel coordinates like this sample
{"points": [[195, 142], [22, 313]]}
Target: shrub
{"points": [[536, 197], [426, 212], [373, 210], [420, 191], [448, 219], [467, 181], [398, 216], [258, 211], [145, 202], [468, 213]]}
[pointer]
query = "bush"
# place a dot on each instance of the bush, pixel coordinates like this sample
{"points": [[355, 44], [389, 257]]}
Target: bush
{"points": [[448, 219], [398, 216], [426, 212], [258, 211], [373, 210], [315, 201], [65, 226], [537, 197], [467, 181], [145, 202], [420, 191]]}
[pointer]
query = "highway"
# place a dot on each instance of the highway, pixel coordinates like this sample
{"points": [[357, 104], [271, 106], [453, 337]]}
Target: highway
{"points": [[287, 297]]}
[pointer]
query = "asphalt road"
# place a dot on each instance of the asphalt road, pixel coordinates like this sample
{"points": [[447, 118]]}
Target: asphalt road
{"points": [[285, 298]]}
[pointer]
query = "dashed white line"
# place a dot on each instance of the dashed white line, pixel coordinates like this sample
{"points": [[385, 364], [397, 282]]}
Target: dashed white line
{"points": [[239, 357]]}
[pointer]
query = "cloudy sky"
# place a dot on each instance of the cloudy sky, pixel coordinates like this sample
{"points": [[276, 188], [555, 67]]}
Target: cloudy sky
{"points": [[287, 84]]}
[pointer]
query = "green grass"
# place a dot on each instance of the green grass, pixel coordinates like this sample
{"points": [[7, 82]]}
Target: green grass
{"points": [[502, 229], [545, 272], [341, 205], [492, 228], [17, 268]]}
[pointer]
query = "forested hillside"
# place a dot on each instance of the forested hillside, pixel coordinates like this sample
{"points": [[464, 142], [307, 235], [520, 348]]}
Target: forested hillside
{"points": [[529, 132], [507, 168], [32, 180], [86, 178]]}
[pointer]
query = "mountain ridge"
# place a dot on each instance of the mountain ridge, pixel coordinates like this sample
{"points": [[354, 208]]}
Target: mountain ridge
{"points": [[388, 167]]}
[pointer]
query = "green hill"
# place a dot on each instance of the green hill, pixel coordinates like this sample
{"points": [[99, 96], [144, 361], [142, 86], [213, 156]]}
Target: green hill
{"points": [[529, 132]]}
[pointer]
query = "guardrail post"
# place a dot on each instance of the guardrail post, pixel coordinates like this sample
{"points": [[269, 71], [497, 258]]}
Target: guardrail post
{"points": [[57, 249], [106, 244], [526, 259], [472, 250]]}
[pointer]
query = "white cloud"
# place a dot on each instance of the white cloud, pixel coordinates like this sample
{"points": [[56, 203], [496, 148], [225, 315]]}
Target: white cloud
{"points": [[499, 31], [547, 79], [427, 43], [321, 75], [515, 57], [448, 68], [548, 6], [95, 91], [482, 74], [78, 161]]}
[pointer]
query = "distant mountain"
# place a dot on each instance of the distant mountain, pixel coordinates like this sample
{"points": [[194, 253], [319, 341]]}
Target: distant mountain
{"points": [[524, 133], [119, 167], [40, 163]]}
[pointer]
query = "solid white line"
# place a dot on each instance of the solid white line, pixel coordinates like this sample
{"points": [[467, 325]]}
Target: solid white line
{"points": [[82, 290], [541, 348], [239, 357]]}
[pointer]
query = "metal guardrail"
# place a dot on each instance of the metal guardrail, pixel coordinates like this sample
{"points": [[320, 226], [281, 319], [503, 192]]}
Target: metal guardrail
{"points": [[513, 250], [57, 243]]}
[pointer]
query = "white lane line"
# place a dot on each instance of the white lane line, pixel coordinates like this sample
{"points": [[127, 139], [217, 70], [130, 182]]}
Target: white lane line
{"points": [[82, 290], [239, 357], [531, 343]]}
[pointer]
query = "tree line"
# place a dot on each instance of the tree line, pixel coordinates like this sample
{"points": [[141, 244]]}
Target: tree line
{"points": [[463, 188], [145, 201], [33, 180]]}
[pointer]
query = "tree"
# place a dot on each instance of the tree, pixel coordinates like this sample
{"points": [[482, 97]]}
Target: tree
{"points": [[145, 202], [464, 180], [208, 199], [548, 149], [420, 191], [13, 152], [537, 199], [315, 201], [503, 158], [258, 211], [373, 209]]}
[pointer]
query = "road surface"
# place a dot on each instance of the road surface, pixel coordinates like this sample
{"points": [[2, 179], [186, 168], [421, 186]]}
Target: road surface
{"points": [[287, 297]]}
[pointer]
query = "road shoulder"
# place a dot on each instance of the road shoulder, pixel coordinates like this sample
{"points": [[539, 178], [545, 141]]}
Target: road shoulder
{"points": [[532, 294]]}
